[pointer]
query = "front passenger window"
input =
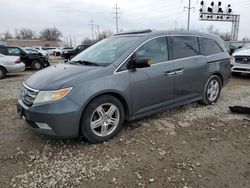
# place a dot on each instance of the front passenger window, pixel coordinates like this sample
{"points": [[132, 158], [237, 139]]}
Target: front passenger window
{"points": [[155, 49]]}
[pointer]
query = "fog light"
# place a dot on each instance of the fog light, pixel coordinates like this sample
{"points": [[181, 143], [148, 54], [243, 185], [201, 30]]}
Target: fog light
{"points": [[43, 126]]}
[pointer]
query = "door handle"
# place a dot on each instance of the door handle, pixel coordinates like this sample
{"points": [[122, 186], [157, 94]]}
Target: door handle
{"points": [[169, 73], [179, 71]]}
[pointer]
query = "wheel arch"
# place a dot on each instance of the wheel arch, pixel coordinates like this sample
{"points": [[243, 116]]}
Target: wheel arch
{"points": [[3, 68], [220, 76], [115, 94]]}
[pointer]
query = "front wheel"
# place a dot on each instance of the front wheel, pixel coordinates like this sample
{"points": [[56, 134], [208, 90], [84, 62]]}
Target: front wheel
{"points": [[102, 119], [212, 90]]}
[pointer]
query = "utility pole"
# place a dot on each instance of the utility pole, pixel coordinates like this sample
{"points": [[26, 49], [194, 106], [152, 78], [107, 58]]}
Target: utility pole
{"points": [[92, 28], [98, 31], [175, 25], [116, 12], [189, 8]]}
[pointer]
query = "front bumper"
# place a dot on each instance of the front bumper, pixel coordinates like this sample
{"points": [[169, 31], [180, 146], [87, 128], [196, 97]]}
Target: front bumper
{"points": [[241, 68], [60, 119]]}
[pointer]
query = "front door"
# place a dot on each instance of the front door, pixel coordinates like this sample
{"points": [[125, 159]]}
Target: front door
{"points": [[152, 87]]}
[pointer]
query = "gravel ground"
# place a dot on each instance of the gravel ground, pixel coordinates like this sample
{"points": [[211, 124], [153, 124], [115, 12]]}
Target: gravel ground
{"points": [[190, 146]]}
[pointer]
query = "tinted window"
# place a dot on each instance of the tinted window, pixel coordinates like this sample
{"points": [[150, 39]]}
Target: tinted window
{"points": [[209, 47], [3, 50], [184, 46], [14, 51], [155, 49], [107, 51]]}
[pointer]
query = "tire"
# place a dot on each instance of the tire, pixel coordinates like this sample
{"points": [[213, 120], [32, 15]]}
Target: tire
{"points": [[97, 114], [36, 65], [2, 73], [211, 93]]}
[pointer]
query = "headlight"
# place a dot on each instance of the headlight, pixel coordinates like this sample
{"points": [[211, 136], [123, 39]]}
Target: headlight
{"points": [[54, 95]]}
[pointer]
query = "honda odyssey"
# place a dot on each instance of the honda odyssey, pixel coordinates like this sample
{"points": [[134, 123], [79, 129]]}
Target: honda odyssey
{"points": [[125, 77]]}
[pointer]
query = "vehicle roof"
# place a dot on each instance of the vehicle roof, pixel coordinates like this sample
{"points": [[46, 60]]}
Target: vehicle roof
{"points": [[149, 33]]}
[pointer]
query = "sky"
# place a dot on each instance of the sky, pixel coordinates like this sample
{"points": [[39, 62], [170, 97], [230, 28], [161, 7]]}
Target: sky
{"points": [[72, 17]]}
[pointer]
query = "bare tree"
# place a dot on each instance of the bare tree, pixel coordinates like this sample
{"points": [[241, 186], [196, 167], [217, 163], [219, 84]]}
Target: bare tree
{"points": [[87, 41], [17, 34], [212, 29], [50, 34], [100, 36], [25, 33], [6, 35], [104, 34], [225, 36]]}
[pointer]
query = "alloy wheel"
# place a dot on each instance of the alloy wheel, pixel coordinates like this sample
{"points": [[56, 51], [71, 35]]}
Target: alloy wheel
{"points": [[104, 119], [213, 90]]}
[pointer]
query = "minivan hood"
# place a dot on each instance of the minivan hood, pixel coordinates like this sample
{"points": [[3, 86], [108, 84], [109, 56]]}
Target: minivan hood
{"points": [[54, 77]]}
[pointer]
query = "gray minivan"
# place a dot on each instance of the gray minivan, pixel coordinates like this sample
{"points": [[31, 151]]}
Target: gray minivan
{"points": [[124, 77]]}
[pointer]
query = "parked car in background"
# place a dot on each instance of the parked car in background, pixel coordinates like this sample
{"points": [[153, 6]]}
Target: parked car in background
{"points": [[45, 54], [3, 50], [52, 50], [63, 49], [243, 48], [33, 60], [35, 51], [10, 64], [124, 77], [241, 62], [230, 48], [67, 54]]}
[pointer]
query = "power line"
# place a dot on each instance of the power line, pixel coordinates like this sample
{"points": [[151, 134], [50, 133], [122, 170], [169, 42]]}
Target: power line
{"points": [[116, 12], [92, 28], [189, 8]]}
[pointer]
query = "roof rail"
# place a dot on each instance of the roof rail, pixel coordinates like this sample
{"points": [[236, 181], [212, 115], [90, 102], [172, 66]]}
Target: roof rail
{"points": [[135, 32]]}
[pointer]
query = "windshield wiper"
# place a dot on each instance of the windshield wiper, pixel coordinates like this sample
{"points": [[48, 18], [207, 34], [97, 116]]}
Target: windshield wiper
{"points": [[84, 62]]}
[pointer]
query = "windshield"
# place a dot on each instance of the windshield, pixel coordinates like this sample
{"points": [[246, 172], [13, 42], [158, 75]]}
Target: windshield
{"points": [[106, 51], [31, 51]]}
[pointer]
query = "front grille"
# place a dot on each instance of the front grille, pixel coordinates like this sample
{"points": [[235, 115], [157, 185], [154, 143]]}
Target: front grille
{"points": [[242, 59], [241, 69], [28, 95]]}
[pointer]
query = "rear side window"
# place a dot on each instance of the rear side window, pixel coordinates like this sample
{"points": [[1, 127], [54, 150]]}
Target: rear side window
{"points": [[155, 49], [209, 46], [3, 51], [14, 51], [184, 46]]}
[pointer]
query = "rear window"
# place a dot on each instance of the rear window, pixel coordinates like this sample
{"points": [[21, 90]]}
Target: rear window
{"points": [[209, 47], [184, 46]]}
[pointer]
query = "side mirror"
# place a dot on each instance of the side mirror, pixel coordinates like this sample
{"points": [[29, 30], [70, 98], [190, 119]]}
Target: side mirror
{"points": [[140, 63]]}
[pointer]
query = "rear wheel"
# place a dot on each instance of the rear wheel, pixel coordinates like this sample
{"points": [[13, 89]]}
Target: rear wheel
{"points": [[36, 65], [102, 119], [2, 73], [212, 90]]}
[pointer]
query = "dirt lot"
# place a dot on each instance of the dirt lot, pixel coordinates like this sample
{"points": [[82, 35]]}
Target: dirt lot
{"points": [[191, 146]]}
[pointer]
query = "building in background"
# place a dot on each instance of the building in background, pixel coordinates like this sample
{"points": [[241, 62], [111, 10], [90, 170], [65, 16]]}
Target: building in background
{"points": [[31, 42]]}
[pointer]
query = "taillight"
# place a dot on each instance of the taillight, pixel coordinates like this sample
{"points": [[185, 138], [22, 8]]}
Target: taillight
{"points": [[18, 61]]}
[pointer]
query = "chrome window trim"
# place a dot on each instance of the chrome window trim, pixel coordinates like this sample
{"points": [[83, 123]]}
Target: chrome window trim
{"points": [[167, 35], [115, 72]]}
